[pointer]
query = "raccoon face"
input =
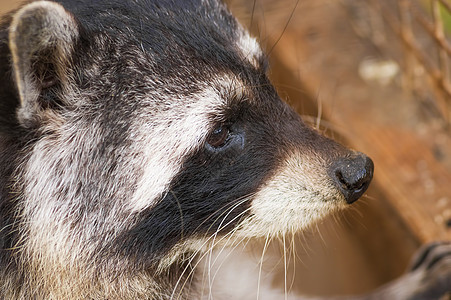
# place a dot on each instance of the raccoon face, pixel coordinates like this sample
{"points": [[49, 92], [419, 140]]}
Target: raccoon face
{"points": [[155, 124]]}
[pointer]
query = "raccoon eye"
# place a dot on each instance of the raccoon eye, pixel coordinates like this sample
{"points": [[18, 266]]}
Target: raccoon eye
{"points": [[218, 137]]}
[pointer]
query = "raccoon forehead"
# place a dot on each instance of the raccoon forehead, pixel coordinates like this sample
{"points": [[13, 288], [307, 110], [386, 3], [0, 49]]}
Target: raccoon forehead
{"points": [[212, 98], [232, 91]]}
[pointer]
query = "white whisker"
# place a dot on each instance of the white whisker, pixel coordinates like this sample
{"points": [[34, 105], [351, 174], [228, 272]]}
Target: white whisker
{"points": [[213, 236], [261, 265], [285, 266]]}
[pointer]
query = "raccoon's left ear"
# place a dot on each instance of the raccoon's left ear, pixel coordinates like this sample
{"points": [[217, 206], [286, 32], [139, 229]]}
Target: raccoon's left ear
{"points": [[41, 39]]}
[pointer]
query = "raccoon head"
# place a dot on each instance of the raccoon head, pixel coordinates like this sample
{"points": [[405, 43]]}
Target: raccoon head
{"points": [[150, 125]]}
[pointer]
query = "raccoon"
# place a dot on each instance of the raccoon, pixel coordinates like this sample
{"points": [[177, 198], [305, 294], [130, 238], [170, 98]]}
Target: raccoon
{"points": [[137, 135]]}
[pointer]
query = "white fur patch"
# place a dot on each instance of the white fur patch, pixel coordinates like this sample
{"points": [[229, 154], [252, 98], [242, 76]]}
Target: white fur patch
{"points": [[250, 48], [299, 194]]}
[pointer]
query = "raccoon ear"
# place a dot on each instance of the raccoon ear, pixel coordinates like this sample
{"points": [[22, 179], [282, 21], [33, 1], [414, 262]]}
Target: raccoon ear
{"points": [[41, 39]]}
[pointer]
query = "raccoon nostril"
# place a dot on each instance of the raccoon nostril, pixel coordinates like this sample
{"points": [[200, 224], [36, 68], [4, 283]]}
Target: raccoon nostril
{"points": [[360, 187], [353, 175], [347, 185], [341, 180]]}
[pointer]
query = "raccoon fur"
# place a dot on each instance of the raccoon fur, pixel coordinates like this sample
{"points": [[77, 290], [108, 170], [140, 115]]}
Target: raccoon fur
{"points": [[137, 135]]}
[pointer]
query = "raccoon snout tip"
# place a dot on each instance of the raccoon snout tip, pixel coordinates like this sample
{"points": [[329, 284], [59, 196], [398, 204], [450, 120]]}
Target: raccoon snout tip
{"points": [[352, 175]]}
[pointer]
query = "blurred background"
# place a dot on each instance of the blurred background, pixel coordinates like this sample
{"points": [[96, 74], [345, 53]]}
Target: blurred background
{"points": [[7, 5], [375, 75]]}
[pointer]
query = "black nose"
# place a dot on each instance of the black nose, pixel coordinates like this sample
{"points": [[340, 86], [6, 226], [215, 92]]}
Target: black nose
{"points": [[352, 175]]}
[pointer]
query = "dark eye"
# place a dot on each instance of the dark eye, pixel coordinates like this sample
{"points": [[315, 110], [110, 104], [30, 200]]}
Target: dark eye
{"points": [[218, 137]]}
